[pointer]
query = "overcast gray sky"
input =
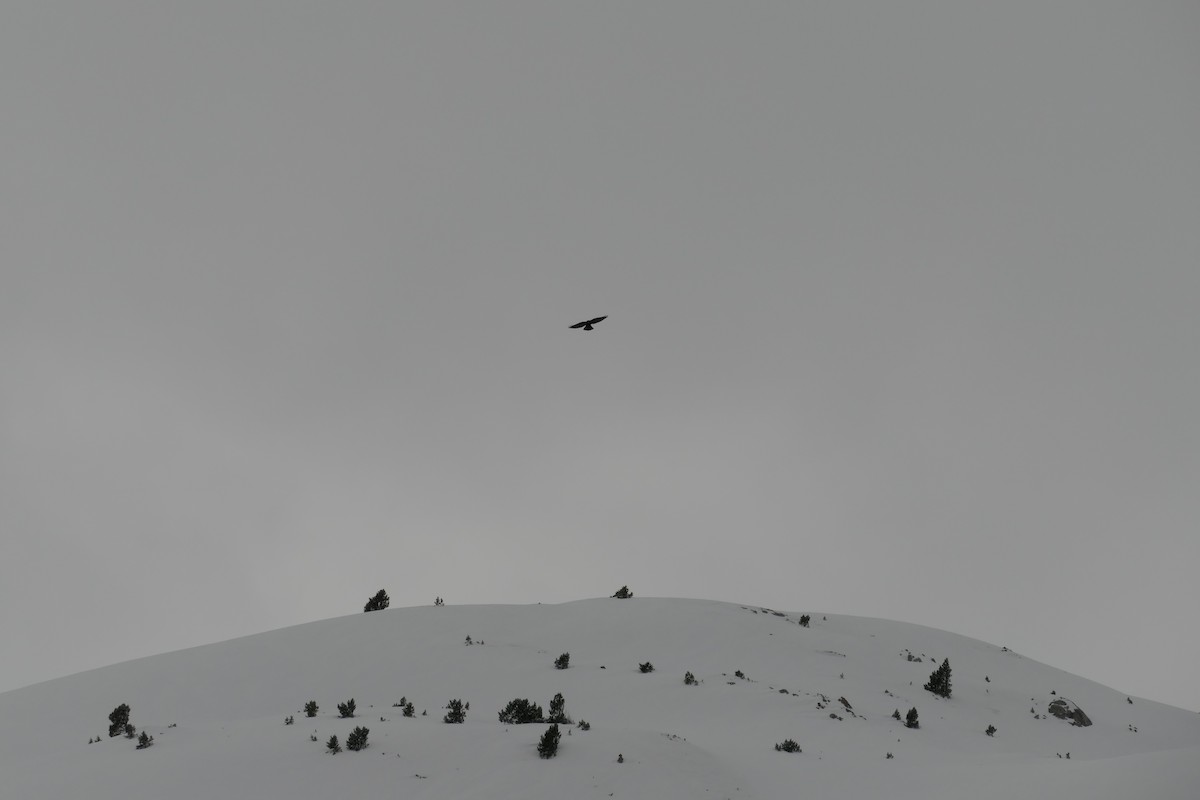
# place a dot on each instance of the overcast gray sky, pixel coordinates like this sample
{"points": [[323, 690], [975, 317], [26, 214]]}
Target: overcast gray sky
{"points": [[902, 307]]}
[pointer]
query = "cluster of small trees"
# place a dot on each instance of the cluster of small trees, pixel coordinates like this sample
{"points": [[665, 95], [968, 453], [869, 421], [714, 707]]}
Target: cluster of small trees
{"points": [[378, 603], [118, 723], [455, 712], [520, 711]]}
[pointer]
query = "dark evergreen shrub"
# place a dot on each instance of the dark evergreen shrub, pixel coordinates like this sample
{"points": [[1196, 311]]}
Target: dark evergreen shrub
{"points": [[910, 720], [548, 745], [939, 680], [788, 746], [118, 719], [409, 710], [332, 745], [379, 602], [558, 710], [521, 712], [346, 710], [357, 739], [311, 708], [896, 714], [804, 620], [623, 593], [647, 667], [689, 679], [144, 740], [130, 731], [289, 720], [563, 661], [455, 713], [991, 730], [584, 725]]}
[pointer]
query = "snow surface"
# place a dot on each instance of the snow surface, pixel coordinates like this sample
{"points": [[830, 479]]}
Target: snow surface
{"points": [[217, 713]]}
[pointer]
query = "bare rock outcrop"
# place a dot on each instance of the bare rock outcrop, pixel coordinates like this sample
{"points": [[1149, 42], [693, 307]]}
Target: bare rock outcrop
{"points": [[1065, 709]]}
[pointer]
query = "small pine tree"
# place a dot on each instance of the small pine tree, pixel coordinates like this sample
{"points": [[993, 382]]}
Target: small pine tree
{"points": [[409, 710], [378, 603], [623, 593], [357, 739], [454, 714], [804, 620], [548, 745], [689, 679], [289, 720], [896, 714], [118, 719], [311, 708], [130, 731], [558, 711], [563, 661], [521, 712], [332, 745], [144, 741], [939, 680], [910, 720], [991, 730], [788, 746], [647, 667], [584, 725], [346, 710]]}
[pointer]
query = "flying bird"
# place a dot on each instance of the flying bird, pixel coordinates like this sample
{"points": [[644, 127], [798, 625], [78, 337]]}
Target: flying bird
{"points": [[587, 324]]}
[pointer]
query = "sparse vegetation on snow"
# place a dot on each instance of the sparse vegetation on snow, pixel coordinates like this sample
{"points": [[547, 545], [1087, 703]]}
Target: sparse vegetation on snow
{"points": [[229, 699]]}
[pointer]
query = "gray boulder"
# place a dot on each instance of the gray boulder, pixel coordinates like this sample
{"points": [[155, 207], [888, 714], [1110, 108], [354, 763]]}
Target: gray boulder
{"points": [[1065, 709]]}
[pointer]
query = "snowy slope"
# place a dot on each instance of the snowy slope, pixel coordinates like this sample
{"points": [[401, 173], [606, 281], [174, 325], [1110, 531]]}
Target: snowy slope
{"points": [[217, 713]]}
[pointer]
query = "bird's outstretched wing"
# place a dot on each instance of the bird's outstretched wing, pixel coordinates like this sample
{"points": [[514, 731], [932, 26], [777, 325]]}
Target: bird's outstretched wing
{"points": [[588, 323]]}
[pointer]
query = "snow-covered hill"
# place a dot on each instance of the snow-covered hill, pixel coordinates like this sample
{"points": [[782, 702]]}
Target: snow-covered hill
{"points": [[217, 713]]}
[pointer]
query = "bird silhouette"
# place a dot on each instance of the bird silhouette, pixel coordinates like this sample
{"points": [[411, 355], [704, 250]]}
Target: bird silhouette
{"points": [[587, 324]]}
